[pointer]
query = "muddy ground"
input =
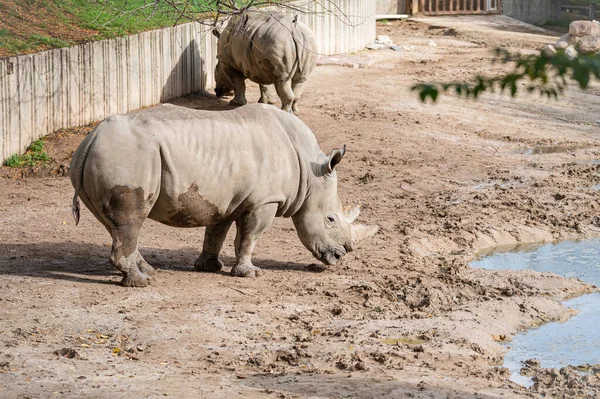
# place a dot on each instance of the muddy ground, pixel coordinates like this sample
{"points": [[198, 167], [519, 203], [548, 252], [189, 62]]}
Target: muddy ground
{"points": [[404, 316]]}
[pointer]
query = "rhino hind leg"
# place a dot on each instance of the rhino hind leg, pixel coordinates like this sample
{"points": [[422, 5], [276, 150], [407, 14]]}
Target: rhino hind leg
{"points": [[124, 213], [298, 88], [286, 94], [239, 89], [249, 227], [266, 95], [215, 235]]}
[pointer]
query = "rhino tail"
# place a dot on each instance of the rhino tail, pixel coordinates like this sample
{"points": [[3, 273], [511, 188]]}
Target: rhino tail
{"points": [[77, 164]]}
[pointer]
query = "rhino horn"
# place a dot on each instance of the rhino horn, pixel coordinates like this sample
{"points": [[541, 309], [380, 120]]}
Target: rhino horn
{"points": [[360, 233], [351, 213]]}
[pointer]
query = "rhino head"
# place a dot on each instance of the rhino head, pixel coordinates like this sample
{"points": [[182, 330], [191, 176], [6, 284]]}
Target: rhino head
{"points": [[325, 227], [224, 84]]}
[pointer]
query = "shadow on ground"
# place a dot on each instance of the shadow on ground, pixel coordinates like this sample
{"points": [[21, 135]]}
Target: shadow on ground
{"points": [[88, 263], [205, 101]]}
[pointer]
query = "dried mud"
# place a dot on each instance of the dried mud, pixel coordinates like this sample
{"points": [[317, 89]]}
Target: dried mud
{"points": [[403, 316]]}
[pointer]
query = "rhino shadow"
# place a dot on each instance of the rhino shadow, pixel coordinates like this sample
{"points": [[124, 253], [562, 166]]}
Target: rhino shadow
{"points": [[188, 80], [88, 263]]}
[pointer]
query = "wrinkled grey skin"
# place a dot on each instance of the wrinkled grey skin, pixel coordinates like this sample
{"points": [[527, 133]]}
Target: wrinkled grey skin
{"points": [[191, 168], [267, 48]]}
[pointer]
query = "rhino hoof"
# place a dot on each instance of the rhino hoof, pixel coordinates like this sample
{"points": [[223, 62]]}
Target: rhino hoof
{"points": [[238, 102], [147, 269], [204, 264], [135, 279], [245, 271]]}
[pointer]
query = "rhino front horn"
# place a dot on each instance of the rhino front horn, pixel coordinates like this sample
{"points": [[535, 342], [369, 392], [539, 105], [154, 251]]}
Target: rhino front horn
{"points": [[360, 233]]}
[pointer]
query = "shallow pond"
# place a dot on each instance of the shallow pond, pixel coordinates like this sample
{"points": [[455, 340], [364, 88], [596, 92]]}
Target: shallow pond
{"points": [[574, 342]]}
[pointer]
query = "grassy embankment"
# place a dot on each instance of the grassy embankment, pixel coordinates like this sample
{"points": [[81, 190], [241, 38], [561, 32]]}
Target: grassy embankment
{"points": [[28, 26]]}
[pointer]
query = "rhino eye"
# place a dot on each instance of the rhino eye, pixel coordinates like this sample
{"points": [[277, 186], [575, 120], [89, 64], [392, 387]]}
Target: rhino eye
{"points": [[330, 219]]}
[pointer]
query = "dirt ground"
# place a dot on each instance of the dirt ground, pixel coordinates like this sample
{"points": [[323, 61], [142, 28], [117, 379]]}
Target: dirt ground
{"points": [[405, 316]]}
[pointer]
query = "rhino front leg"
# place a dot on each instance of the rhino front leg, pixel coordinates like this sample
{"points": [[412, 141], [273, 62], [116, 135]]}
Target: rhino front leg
{"points": [[249, 227], [239, 88], [266, 95], [209, 261], [285, 92], [297, 87]]}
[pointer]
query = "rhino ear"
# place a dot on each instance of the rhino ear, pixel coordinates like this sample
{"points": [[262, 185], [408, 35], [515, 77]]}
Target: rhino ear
{"points": [[334, 158], [216, 32], [351, 213]]}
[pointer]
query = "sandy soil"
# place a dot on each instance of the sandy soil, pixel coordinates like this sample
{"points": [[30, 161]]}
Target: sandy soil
{"points": [[403, 317]]}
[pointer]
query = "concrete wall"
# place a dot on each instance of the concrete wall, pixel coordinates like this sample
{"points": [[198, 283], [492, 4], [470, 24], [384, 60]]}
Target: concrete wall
{"points": [[391, 7], [532, 11], [43, 92]]}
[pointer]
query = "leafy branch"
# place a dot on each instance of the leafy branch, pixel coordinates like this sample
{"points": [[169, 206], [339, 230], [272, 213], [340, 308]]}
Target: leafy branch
{"points": [[548, 74]]}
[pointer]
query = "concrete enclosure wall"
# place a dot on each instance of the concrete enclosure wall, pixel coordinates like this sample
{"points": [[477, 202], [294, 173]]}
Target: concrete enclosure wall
{"points": [[532, 11], [386, 7], [47, 91]]}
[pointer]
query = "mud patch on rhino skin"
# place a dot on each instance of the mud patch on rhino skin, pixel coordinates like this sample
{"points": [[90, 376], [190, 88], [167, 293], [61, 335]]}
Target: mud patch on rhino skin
{"points": [[125, 204], [194, 210], [127, 208]]}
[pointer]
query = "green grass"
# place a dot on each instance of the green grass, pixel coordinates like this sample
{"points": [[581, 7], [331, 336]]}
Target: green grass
{"points": [[34, 25], [35, 155], [18, 45], [112, 18]]}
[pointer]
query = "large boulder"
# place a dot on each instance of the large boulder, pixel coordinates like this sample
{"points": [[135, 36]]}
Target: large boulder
{"points": [[584, 28]]}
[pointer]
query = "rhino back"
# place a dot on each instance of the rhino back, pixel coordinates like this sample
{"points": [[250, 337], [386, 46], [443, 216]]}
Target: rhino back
{"points": [[216, 165]]}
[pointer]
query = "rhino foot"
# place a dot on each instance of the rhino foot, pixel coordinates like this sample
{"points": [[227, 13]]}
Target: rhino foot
{"points": [[238, 102], [145, 268], [135, 279], [206, 263], [242, 270]]}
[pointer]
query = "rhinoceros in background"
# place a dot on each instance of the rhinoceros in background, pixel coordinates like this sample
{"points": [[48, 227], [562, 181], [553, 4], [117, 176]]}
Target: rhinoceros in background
{"points": [[267, 48], [190, 168]]}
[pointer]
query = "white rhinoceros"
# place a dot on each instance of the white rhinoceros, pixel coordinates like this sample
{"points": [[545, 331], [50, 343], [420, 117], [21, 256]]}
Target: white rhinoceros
{"points": [[267, 48], [190, 168]]}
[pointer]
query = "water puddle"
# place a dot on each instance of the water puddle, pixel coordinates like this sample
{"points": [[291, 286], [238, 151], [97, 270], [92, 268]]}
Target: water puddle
{"points": [[575, 342], [550, 149]]}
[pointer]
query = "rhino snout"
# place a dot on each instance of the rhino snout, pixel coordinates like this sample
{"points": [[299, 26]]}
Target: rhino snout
{"points": [[331, 257]]}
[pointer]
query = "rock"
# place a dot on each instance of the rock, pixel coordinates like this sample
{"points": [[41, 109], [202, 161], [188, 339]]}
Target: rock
{"points": [[432, 43], [68, 353], [571, 53], [396, 48], [586, 44], [532, 363], [383, 39], [584, 28], [549, 50], [375, 46], [562, 43]]}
